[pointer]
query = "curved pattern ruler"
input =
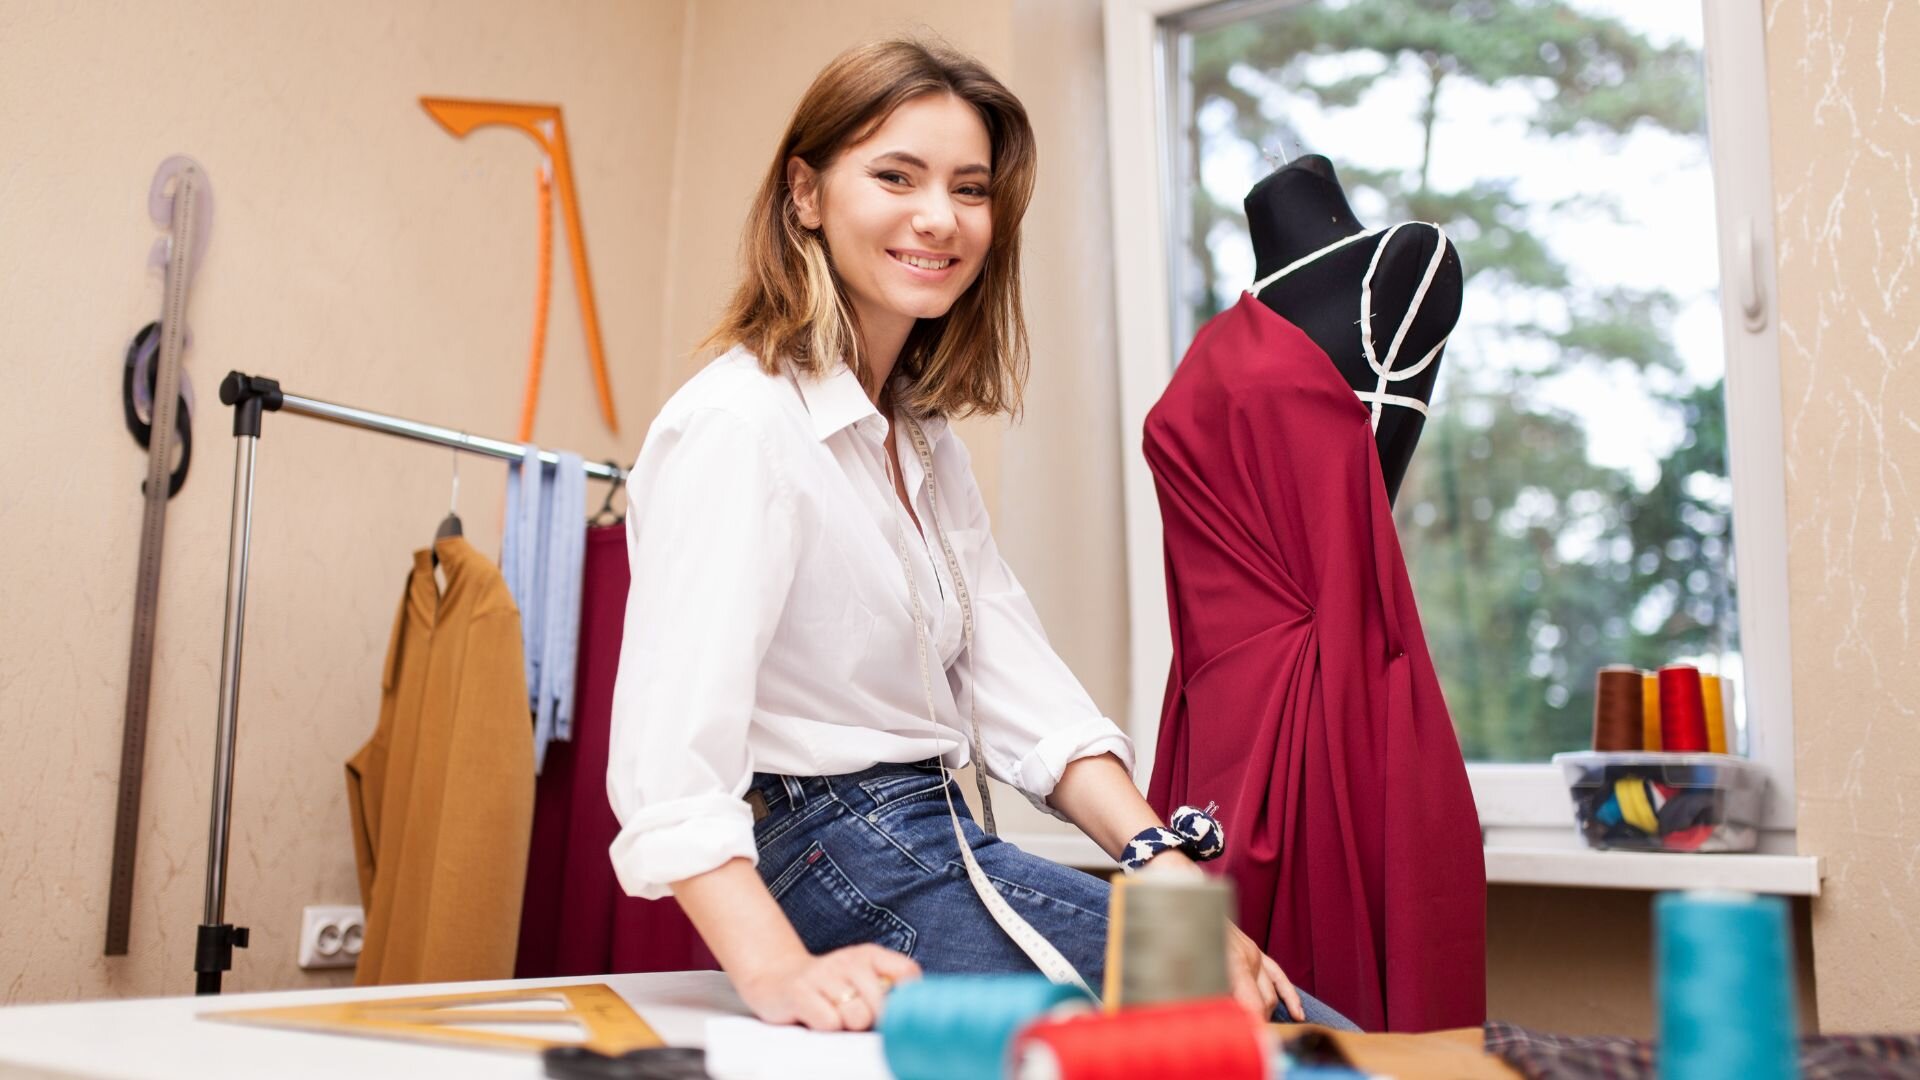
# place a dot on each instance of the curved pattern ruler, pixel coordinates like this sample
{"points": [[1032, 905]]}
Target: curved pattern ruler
{"points": [[542, 124], [180, 200]]}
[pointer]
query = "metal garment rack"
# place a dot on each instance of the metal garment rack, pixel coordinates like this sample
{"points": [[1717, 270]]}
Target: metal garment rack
{"points": [[250, 396]]}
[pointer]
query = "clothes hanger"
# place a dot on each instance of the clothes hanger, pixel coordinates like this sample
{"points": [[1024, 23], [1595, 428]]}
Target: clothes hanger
{"points": [[606, 510], [450, 525]]}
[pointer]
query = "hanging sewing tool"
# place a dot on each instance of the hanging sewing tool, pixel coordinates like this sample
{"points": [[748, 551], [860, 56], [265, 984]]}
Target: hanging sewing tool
{"points": [[601, 1019], [541, 123], [138, 376], [180, 200]]}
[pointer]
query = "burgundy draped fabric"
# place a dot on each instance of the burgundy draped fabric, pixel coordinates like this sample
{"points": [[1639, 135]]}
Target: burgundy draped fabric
{"points": [[575, 919], [1302, 697]]}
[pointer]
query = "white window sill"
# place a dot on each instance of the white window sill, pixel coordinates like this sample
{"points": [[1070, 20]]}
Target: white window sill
{"points": [[1563, 867], [1581, 868]]}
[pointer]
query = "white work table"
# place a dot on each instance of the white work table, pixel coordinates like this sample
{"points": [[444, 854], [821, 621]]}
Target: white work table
{"points": [[163, 1037]]}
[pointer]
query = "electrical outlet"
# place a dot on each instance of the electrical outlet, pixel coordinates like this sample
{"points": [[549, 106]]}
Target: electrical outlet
{"points": [[331, 936]]}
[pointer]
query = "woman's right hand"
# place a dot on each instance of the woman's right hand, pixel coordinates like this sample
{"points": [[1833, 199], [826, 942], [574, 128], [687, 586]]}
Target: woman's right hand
{"points": [[843, 990]]}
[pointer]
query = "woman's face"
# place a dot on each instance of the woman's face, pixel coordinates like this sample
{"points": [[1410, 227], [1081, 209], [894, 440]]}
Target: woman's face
{"points": [[905, 213]]}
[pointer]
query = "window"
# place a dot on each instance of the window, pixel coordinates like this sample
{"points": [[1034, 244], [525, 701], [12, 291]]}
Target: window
{"points": [[1571, 503]]}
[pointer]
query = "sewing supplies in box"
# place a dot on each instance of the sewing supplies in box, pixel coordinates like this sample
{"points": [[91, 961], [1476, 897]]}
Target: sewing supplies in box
{"points": [[1659, 777], [1652, 801]]}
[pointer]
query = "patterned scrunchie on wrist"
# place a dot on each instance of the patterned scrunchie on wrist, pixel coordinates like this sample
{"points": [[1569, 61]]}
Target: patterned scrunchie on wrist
{"points": [[1190, 830]]}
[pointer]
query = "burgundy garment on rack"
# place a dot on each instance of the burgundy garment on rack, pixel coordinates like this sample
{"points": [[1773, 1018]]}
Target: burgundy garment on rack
{"points": [[1302, 696], [576, 920]]}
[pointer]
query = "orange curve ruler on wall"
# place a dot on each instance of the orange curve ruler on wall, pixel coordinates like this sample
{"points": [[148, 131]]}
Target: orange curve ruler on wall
{"points": [[541, 123]]}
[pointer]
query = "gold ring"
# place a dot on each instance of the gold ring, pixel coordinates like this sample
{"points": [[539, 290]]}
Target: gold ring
{"points": [[847, 995]]}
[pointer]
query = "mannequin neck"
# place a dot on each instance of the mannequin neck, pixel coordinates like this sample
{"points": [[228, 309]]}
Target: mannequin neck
{"points": [[1296, 210]]}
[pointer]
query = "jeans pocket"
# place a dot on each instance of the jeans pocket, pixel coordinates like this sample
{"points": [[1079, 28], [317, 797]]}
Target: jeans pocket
{"points": [[829, 911], [908, 781]]}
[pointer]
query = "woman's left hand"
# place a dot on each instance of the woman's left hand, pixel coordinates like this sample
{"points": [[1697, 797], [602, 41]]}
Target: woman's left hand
{"points": [[1258, 983]]}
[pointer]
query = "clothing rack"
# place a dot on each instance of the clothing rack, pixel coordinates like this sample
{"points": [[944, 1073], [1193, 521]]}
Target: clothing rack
{"points": [[250, 396]]}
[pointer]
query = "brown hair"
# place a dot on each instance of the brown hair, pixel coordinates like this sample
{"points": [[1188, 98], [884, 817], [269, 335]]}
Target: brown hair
{"points": [[790, 304]]}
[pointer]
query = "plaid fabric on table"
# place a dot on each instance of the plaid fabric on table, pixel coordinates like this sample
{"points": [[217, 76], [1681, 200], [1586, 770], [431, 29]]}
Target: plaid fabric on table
{"points": [[1539, 1056]]}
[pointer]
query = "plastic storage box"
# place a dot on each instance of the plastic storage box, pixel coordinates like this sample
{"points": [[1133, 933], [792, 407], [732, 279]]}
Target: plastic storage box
{"points": [[1649, 801]]}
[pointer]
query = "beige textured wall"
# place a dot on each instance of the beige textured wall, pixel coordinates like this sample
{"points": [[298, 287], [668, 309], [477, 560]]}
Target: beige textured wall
{"points": [[358, 253], [1060, 523], [1845, 100]]}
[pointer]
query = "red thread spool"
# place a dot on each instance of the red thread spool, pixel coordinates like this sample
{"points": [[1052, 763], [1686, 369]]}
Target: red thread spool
{"points": [[1683, 710], [1215, 1039]]}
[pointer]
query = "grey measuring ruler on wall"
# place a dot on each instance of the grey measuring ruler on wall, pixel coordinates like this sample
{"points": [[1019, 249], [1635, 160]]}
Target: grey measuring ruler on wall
{"points": [[181, 201]]}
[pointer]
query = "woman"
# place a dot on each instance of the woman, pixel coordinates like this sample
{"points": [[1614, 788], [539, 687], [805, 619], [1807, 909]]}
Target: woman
{"points": [[818, 620]]}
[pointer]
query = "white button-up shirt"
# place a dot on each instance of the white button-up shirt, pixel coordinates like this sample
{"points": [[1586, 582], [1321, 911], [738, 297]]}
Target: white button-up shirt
{"points": [[769, 627]]}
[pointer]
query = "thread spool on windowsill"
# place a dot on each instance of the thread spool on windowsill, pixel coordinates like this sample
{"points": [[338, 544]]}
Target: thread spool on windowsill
{"points": [[1618, 707], [1629, 714], [1683, 711]]}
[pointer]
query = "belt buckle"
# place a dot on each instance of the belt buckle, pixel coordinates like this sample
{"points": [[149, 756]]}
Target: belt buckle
{"points": [[759, 804]]}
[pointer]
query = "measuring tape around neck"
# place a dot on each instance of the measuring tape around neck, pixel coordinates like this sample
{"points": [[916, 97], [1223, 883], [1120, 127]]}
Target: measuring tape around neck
{"points": [[1038, 949]]}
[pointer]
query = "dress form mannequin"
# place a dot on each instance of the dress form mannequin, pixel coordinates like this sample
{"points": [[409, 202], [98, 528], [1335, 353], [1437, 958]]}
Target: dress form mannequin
{"points": [[1300, 209]]}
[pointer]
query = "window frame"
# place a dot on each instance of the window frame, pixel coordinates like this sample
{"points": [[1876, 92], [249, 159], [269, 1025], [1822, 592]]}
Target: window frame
{"points": [[1519, 804]]}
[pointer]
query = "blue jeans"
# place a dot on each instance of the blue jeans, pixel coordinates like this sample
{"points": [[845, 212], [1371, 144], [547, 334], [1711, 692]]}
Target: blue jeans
{"points": [[870, 857]]}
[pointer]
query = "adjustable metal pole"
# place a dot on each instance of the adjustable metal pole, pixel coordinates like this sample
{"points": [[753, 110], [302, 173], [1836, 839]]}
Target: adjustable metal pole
{"points": [[213, 948]]}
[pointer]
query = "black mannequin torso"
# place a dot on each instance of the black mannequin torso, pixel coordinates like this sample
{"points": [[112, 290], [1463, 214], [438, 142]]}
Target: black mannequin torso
{"points": [[1299, 209]]}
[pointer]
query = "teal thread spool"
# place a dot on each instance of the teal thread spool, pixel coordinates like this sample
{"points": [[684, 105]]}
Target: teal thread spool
{"points": [[959, 1027], [1726, 1000]]}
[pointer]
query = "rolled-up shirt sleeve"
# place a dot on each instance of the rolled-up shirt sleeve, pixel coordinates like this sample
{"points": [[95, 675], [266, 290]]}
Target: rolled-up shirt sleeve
{"points": [[710, 541], [1035, 717]]}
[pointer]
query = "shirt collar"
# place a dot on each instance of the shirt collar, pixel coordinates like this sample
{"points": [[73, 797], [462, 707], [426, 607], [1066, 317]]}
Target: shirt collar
{"points": [[836, 400]]}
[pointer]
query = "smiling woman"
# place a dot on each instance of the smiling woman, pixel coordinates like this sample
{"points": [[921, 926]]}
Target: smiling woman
{"points": [[821, 625], [910, 227], [899, 154]]}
